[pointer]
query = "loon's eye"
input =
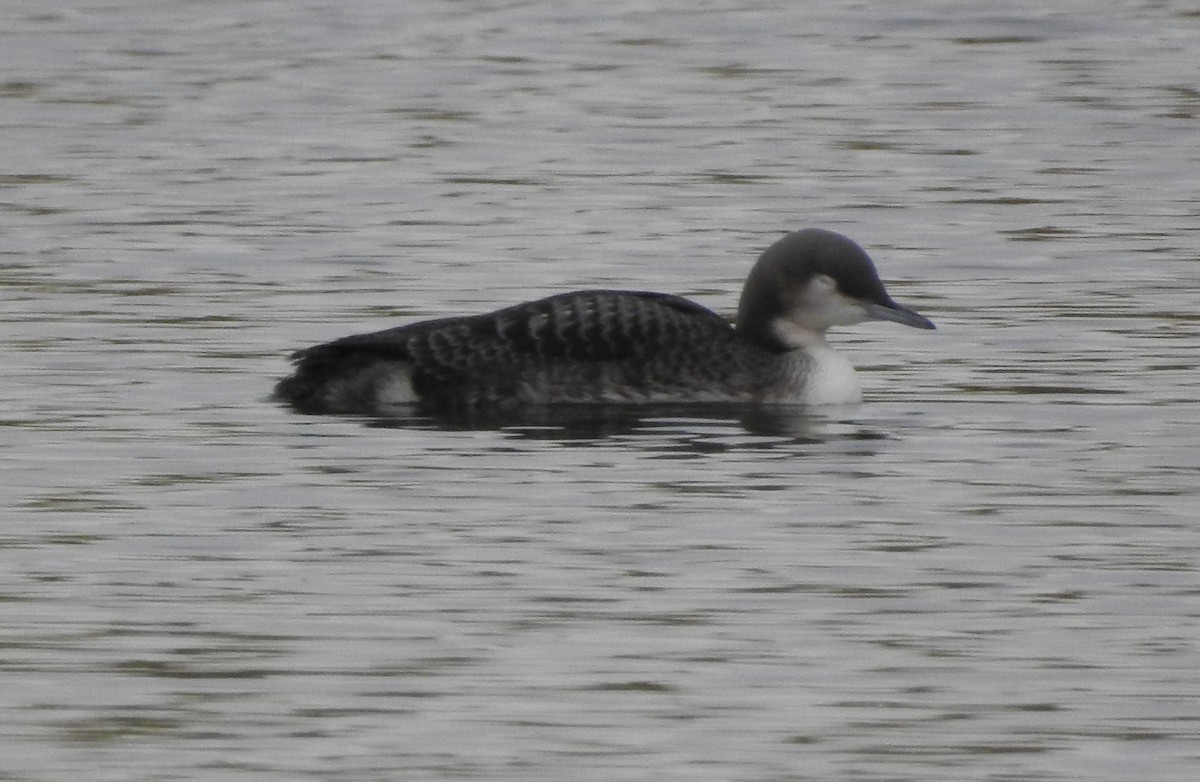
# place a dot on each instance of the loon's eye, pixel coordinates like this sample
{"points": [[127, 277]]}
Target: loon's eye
{"points": [[824, 283]]}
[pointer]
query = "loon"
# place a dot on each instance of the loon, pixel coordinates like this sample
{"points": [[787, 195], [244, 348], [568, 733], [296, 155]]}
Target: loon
{"points": [[618, 347]]}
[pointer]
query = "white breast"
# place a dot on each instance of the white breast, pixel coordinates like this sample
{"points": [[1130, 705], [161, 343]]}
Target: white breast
{"points": [[831, 378]]}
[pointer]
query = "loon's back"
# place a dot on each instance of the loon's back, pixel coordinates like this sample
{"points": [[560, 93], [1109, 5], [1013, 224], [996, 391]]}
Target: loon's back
{"points": [[580, 347]]}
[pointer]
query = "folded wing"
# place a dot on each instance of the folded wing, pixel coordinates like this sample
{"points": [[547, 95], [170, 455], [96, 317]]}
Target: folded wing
{"points": [[451, 359]]}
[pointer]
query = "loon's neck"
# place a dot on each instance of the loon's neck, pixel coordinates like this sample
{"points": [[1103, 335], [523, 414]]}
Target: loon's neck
{"points": [[819, 374]]}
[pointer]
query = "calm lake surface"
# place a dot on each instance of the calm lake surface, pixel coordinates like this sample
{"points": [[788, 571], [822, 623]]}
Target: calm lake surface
{"points": [[990, 570]]}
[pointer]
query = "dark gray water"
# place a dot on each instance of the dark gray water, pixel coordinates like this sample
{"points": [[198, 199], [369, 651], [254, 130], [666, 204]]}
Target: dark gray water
{"points": [[989, 571]]}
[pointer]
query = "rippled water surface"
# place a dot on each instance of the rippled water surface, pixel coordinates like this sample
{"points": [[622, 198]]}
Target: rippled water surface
{"points": [[991, 570]]}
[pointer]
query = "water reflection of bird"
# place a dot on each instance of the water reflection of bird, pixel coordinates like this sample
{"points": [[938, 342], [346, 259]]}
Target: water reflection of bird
{"points": [[618, 347]]}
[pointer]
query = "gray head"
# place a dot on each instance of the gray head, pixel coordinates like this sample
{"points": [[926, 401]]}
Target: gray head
{"points": [[809, 281]]}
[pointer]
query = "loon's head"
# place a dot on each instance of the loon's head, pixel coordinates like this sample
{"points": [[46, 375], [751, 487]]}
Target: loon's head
{"points": [[809, 281]]}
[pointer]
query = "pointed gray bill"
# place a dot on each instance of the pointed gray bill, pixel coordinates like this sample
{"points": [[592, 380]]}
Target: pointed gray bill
{"points": [[898, 314]]}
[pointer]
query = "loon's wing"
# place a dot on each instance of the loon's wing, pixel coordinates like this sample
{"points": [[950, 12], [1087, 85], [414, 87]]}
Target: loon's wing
{"points": [[578, 327]]}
